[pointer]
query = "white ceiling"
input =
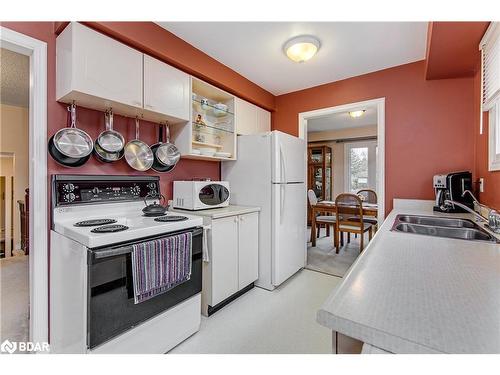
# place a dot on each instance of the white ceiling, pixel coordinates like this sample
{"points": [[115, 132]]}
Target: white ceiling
{"points": [[14, 78], [342, 120], [348, 49]]}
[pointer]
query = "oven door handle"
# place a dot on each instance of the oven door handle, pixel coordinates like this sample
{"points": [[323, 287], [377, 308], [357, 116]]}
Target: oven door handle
{"points": [[128, 249], [112, 252]]}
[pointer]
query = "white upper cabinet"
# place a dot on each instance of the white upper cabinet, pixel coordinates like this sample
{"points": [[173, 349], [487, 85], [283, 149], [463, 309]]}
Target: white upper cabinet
{"points": [[91, 64], [166, 89], [246, 117], [263, 120], [251, 119]]}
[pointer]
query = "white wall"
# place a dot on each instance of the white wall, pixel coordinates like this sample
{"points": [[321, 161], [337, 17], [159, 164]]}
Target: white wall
{"points": [[14, 133], [329, 138]]}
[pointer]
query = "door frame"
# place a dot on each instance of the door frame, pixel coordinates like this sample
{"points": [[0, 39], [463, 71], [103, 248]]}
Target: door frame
{"points": [[380, 104], [347, 167], [38, 221]]}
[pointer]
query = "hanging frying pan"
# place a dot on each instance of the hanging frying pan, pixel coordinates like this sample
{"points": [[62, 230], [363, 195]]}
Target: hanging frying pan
{"points": [[110, 140], [137, 153], [70, 146], [101, 154], [158, 165], [167, 153]]}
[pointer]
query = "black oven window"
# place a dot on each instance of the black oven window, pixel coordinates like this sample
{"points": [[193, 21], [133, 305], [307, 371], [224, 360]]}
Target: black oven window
{"points": [[213, 194]]}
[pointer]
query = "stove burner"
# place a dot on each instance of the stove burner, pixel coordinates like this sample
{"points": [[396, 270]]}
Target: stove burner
{"points": [[109, 228], [171, 218], [94, 222]]}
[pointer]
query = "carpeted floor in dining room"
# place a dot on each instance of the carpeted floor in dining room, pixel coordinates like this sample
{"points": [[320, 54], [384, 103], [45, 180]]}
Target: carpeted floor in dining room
{"points": [[323, 258]]}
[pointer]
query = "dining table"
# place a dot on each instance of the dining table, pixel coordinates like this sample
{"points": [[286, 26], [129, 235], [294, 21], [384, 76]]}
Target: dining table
{"points": [[328, 207]]}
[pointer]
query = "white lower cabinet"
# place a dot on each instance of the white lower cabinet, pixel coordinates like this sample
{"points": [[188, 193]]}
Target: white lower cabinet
{"points": [[248, 248], [224, 258], [233, 243]]}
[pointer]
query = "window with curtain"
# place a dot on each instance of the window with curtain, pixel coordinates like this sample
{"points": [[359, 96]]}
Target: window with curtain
{"points": [[490, 52]]}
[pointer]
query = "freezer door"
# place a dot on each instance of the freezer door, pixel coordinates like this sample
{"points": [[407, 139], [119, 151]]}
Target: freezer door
{"points": [[289, 230], [289, 158]]}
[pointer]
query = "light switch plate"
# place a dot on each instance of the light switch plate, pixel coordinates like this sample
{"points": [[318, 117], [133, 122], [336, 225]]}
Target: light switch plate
{"points": [[481, 185]]}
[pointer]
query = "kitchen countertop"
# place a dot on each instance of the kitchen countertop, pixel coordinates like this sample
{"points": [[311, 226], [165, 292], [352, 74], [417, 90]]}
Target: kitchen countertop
{"points": [[220, 212], [409, 293]]}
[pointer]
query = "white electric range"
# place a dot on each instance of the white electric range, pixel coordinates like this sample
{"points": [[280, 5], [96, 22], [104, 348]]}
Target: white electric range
{"points": [[95, 222]]}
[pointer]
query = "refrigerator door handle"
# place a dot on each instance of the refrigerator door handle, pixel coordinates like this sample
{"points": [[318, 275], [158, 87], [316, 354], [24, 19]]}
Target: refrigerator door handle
{"points": [[282, 201], [282, 165]]}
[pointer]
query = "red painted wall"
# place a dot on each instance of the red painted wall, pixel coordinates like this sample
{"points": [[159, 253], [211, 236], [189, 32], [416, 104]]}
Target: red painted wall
{"points": [[93, 121], [491, 194], [428, 124], [452, 49]]}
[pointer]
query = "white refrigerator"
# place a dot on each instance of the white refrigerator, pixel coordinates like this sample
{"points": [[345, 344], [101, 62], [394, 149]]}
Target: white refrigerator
{"points": [[271, 173]]}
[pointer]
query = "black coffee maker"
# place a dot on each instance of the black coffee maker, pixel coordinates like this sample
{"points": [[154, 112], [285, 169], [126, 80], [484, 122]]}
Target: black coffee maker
{"points": [[452, 186]]}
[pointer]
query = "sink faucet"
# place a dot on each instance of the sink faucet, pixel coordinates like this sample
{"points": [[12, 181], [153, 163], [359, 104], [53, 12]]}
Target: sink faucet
{"points": [[493, 216], [474, 199], [448, 203]]}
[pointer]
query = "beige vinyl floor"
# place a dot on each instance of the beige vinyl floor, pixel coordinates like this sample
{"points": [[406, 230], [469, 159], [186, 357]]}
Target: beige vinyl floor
{"points": [[282, 321]]}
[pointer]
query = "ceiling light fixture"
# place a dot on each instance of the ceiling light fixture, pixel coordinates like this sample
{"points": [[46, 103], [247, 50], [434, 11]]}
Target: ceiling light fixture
{"points": [[359, 113], [301, 48]]}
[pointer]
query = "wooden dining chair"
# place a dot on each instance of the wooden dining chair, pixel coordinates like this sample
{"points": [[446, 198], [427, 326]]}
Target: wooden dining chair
{"points": [[326, 220], [368, 196], [349, 214]]}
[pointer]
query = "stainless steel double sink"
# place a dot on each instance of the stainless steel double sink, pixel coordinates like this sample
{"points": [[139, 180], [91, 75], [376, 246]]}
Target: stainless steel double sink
{"points": [[462, 229]]}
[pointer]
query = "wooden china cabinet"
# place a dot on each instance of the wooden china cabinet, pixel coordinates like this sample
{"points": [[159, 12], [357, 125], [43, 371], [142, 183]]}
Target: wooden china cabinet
{"points": [[319, 173]]}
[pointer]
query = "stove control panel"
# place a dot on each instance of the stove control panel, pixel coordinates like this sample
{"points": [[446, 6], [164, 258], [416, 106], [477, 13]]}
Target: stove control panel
{"points": [[74, 190]]}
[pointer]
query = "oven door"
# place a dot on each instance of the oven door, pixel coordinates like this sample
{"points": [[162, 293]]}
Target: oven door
{"points": [[111, 308], [212, 195]]}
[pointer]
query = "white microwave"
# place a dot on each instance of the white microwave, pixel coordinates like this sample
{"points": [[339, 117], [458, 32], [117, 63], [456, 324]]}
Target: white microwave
{"points": [[201, 195]]}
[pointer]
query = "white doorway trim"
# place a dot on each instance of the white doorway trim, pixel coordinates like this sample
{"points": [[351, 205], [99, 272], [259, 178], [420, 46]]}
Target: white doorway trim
{"points": [[38, 226], [380, 103]]}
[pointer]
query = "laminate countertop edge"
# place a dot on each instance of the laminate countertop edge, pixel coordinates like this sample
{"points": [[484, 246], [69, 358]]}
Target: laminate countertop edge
{"points": [[221, 212], [409, 293]]}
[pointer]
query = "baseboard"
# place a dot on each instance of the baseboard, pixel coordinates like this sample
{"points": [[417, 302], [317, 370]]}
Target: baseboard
{"points": [[213, 309]]}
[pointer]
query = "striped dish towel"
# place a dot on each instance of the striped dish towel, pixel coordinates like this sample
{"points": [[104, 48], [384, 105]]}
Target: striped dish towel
{"points": [[160, 265]]}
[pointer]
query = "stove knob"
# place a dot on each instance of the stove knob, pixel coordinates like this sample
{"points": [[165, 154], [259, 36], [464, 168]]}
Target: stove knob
{"points": [[136, 190], [70, 197], [68, 188], [95, 191]]}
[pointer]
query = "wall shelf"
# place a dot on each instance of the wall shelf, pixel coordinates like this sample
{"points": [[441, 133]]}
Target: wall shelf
{"points": [[204, 144], [210, 127]]}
